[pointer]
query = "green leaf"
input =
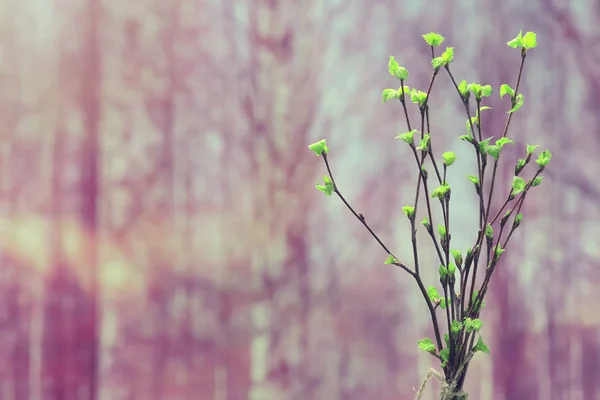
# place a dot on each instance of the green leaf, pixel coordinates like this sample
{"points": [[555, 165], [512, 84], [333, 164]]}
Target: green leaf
{"points": [[433, 39], [389, 94], [537, 181], [438, 62], [473, 179], [493, 150], [486, 90], [520, 165], [327, 188], [481, 346], [489, 232], [463, 88], [518, 185], [433, 294], [483, 108], [477, 307], [451, 269], [456, 326], [457, 257], [418, 97], [544, 158], [443, 271], [466, 138], [424, 145], [319, 147], [483, 144], [440, 191], [448, 55], [425, 222], [477, 324], [442, 230], [408, 137], [445, 355], [529, 40], [391, 260], [447, 339], [409, 211], [531, 148], [518, 104], [516, 42], [506, 89], [503, 141], [518, 219], [402, 90], [443, 303], [449, 158], [396, 70], [498, 251], [427, 345]]}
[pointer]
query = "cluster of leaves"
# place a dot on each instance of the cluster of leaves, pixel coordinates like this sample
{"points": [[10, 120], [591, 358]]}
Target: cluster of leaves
{"points": [[461, 305]]}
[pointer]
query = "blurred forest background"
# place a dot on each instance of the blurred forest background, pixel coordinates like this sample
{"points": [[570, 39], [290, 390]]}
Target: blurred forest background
{"points": [[161, 237]]}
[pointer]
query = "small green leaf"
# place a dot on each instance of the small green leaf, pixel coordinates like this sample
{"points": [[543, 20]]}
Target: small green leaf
{"points": [[544, 158], [442, 230], [531, 148], [506, 89], [493, 150], [529, 40], [327, 188], [425, 222], [443, 271], [503, 141], [438, 62], [424, 145], [456, 326], [518, 185], [443, 303], [409, 211], [440, 191], [489, 232], [445, 355], [481, 346], [319, 147], [433, 39], [518, 104], [418, 97], [486, 90], [477, 324], [391, 260], [389, 94], [498, 251], [402, 90], [463, 88], [447, 339], [449, 158], [396, 70], [518, 219], [520, 165], [466, 138], [452, 269], [516, 42], [433, 294], [427, 345], [457, 257], [408, 137], [537, 181], [448, 55], [473, 179], [483, 144]]}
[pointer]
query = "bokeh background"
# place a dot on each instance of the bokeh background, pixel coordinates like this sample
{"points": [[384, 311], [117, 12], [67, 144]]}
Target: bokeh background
{"points": [[161, 237]]}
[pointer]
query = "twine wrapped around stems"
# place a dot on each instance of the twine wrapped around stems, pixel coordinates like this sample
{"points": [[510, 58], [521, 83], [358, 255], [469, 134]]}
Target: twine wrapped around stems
{"points": [[448, 391]]}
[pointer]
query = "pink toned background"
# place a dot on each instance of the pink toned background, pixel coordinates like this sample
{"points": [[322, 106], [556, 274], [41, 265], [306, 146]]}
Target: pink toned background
{"points": [[161, 237]]}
